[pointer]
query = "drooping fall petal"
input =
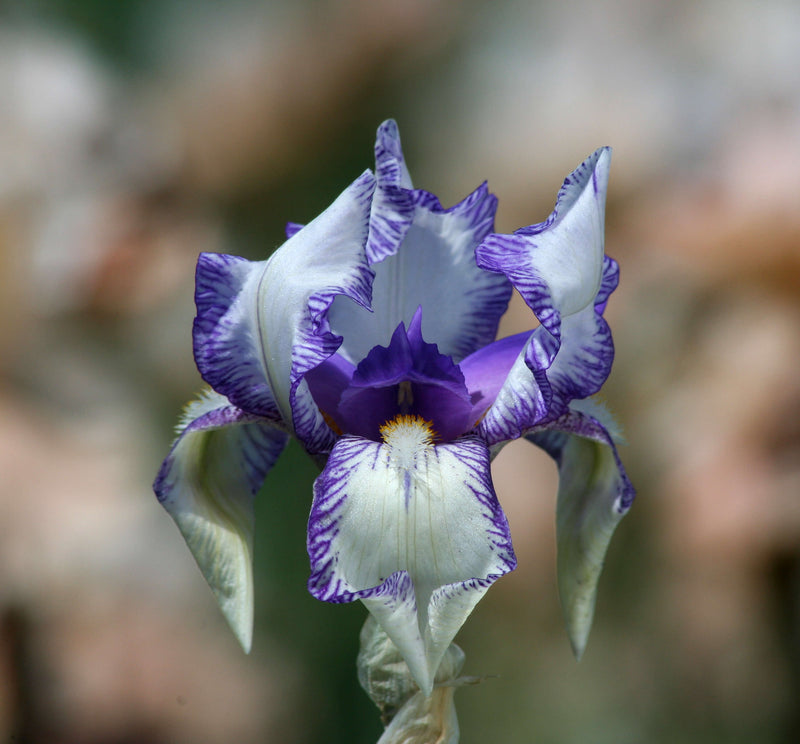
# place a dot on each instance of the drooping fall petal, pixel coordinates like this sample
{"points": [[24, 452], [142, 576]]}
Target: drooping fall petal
{"points": [[594, 493], [207, 484], [412, 529]]}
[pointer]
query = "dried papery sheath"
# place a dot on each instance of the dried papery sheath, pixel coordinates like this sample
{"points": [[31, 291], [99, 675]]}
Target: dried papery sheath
{"points": [[410, 716]]}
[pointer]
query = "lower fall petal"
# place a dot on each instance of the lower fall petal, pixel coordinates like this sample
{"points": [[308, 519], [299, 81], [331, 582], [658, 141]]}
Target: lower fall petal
{"points": [[416, 532], [594, 494], [207, 484]]}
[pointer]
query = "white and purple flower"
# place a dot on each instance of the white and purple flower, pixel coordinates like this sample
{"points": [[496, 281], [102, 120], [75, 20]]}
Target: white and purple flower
{"points": [[369, 335]]}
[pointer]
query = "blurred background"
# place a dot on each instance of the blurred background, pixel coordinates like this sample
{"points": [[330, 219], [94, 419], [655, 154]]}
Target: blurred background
{"points": [[135, 134]]}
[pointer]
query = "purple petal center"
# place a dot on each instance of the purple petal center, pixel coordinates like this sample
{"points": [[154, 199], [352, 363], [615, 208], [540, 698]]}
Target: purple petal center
{"points": [[407, 377]]}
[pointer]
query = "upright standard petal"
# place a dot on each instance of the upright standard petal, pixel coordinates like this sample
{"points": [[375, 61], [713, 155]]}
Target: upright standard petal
{"points": [[412, 529], [262, 326], [423, 255], [393, 204], [561, 272], [225, 333], [594, 494], [207, 484]]}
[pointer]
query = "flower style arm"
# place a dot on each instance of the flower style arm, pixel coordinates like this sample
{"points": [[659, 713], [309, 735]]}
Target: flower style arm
{"points": [[207, 484]]}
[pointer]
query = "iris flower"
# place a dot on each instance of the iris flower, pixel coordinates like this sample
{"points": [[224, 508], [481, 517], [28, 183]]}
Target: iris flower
{"points": [[369, 335]]}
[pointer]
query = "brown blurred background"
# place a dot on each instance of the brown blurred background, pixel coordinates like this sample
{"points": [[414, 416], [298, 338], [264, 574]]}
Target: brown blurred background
{"points": [[135, 134]]}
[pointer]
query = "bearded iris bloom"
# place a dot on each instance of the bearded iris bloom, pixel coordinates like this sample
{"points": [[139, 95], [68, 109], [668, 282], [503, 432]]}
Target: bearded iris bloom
{"points": [[369, 335]]}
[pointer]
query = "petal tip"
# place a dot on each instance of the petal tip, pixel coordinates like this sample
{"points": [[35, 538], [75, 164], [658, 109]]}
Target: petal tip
{"points": [[578, 631], [388, 129], [425, 685], [578, 595], [242, 627], [390, 166], [602, 164]]}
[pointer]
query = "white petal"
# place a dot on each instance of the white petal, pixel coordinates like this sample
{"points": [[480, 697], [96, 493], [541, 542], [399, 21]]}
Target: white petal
{"points": [[207, 484], [417, 534], [424, 256], [558, 264]]}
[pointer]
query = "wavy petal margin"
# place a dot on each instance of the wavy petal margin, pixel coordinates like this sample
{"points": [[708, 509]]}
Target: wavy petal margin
{"points": [[557, 265], [418, 535], [594, 494], [207, 484], [262, 326], [423, 255], [393, 203], [560, 269]]}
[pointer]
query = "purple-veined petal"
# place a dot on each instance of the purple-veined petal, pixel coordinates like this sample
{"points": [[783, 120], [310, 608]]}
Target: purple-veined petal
{"points": [[594, 494], [523, 399], [546, 375], [415, 531], [207, 484], [390, 165], [393, 203], [608, 284], [262, 326], [560, 270], [423, 255], [225, 334], [583, 361], [558, 264]]}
